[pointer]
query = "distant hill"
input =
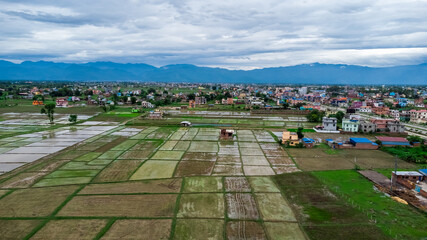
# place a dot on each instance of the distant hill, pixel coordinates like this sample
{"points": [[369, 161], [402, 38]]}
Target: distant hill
{"points": [[315, 73]]}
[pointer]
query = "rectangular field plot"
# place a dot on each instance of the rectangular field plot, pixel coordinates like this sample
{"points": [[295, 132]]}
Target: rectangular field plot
{"points": [[125, 145], [199, 156], [280, 160], [159, 205], [28, 202], [237, 184], [119, 170], [139, 229], [199, 229], [22, 180], [168, 155], [274, 208], [203, 184], [182, 145], [153, 169], [87, 157], [161, 133], [71, 229], [263, 184], [146, 145], [110, 155], [229, 159], [285, 169], [258, 170], [62, 181], [324, 163], [205, 138], [251, 152], [255, 161], [194, 168], [169, 145], [227, 170], [203, 147], [201, 205], [241, 206], [17, 229], [150, 186], [80, 166], [284, 230], [132, 155], [229, 151], [237, 230], [249, 145], [73, 173]]}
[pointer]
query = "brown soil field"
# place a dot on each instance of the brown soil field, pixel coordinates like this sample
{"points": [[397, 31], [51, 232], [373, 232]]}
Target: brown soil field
{"points": [[48, 165], [34, 202], [241, 206], [199, 229], [119, 170], [284, 230], [121, 206], [237, 184], [274, 152], [147, 186], [366, 232], [273, 146], [71, 229], [199, 156], [17, 229], [324, 163], [139, 229], [194, 168], [22, 180], [202, 184], [285, 169], [245, 230], [284, 160], [228, 159]]}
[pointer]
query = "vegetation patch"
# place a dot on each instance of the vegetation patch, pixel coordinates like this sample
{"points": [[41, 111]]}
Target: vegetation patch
{"points": [[62, 181], [285, 230], [263, 184], [74, 173], [155, 169]]}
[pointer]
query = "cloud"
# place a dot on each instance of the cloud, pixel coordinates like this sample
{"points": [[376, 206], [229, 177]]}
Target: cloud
{"points": [[232, 34]]}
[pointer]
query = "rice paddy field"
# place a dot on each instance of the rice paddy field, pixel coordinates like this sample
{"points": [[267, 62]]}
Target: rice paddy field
{"points": [[108, 180]]}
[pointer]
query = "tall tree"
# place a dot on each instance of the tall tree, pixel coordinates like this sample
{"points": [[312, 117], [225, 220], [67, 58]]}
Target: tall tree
{"points": [[49, 110]]}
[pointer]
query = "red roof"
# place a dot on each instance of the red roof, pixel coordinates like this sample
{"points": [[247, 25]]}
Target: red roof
{"points": [[392, 139]]}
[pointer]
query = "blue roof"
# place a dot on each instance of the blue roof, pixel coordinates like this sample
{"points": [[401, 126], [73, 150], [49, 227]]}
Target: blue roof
{"points": [[360, 140], [308, 140], [329, 140], [423, 171]]}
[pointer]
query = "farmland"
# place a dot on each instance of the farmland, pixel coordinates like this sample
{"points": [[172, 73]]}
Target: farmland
{"points": [[104, 180]]}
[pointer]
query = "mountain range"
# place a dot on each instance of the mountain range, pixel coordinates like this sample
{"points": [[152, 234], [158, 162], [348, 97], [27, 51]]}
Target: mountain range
{"points": [[315, 73]]}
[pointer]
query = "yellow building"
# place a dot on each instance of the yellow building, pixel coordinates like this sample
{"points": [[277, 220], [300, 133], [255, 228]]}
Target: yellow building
{"points": [[290, 138]]}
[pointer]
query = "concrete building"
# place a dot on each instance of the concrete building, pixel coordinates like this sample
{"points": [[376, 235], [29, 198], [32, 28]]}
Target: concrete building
{"points": [[412, 176], [418, 116], [61, 102], [191, 104], [350, 125], [329, 124], [290, 138], [146, 104], [367, 127], [200, 100]]}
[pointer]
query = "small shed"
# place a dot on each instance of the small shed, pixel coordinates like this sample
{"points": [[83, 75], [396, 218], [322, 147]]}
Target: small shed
{"points": [[408, 175], [308, 142], [226, 134], [185, 124], [363, 143], [394, 141]]}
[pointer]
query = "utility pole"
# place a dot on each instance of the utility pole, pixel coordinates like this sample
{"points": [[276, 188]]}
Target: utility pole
{"points": [[395, 170]]}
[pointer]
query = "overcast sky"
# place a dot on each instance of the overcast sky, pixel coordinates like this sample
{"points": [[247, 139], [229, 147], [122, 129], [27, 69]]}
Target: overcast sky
{"points": [[242, 34]]}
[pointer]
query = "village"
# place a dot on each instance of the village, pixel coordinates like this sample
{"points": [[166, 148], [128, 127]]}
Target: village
{"points": [[243, 156]]}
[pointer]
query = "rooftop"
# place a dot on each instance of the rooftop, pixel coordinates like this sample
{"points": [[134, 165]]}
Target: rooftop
{"points": [[360, 140], [408, 173], [392, 139]]}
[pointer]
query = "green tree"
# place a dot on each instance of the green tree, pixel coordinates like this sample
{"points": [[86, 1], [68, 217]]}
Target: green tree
{"points": [[133, 100], [49, 110], [285, 105], [299, 132], [72, 118], [315, 116]]}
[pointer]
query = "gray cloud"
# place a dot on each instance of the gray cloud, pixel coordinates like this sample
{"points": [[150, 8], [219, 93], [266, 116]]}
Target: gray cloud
{"points": [[233, 34]]}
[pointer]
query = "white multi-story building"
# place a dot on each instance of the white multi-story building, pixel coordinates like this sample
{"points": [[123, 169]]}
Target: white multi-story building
{"points": [[418, 116]]}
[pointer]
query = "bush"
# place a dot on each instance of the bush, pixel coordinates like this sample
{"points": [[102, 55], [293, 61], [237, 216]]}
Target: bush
{"points": [[409, 154]]}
